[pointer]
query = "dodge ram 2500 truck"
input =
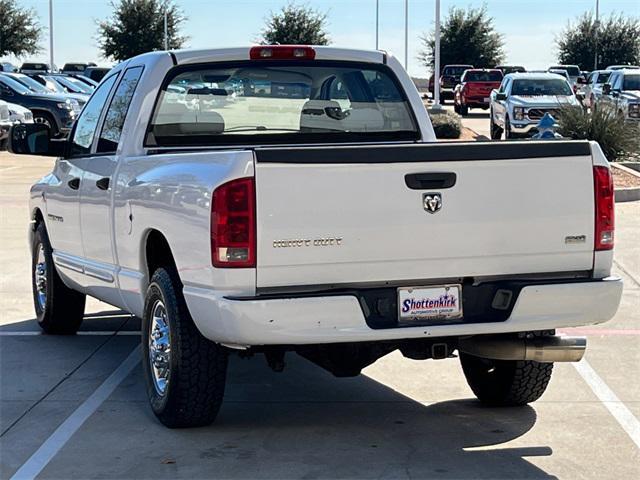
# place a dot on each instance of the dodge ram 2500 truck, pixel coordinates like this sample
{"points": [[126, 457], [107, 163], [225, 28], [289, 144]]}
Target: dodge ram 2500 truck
{"points": [[280, 199]]}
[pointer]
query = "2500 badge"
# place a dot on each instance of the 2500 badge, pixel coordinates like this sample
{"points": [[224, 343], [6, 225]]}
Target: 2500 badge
{"points": [[308, 242]]}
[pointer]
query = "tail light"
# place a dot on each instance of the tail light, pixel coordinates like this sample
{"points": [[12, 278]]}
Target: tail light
{"points": [[282, 52], [233, 224], [604, 203]]}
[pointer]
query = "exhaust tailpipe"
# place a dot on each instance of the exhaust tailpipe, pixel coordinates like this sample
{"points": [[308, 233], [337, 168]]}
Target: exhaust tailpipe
{"points": [[539, 349]]}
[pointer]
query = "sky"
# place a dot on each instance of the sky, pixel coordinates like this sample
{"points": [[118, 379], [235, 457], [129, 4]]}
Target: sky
{"points": [[529, 27]]}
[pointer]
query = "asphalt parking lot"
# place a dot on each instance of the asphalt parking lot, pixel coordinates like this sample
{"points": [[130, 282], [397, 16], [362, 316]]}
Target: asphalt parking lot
{"points": [[75, 407]]}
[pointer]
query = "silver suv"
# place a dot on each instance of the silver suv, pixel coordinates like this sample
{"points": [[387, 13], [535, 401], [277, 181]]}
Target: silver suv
{"points": [[621, 94], [523, 99]]}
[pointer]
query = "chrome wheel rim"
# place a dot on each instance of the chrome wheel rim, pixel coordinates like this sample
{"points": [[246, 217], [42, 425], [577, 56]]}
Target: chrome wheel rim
{"points": [[42, 120], [40, 278], [159, 347]]}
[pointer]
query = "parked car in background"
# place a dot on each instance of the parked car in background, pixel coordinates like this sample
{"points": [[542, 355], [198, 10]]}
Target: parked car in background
{"points": [[562, 72], [5, 124], [31, 82], [58, 112], [523, 99], [71, 84], [507, 69], [7, 67], [86, 80], [30, 68], [57, 84], [96, 73], [449, 78], [573, 71], [622, 67], [475, 88], [593, 88], [621, 94], [74, 68], [19, 114]]}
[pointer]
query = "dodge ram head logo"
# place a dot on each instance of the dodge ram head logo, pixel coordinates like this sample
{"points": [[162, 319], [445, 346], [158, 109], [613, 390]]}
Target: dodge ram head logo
{"points": [[432, 202]]}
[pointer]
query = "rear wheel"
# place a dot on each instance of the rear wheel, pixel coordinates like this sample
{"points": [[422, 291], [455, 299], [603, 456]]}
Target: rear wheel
{"points": [[506, 382], [59, 309], [185, 373]]}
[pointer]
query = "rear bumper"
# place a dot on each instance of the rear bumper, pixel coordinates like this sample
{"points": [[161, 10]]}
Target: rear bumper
{"points": [[340, 319]]}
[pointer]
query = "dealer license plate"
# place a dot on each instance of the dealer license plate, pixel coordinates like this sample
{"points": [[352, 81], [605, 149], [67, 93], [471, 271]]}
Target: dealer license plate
{"points": [[439, 302]]}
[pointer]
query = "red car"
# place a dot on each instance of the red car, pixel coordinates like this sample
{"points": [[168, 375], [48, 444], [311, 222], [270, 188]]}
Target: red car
{"points": [[474, 89]]}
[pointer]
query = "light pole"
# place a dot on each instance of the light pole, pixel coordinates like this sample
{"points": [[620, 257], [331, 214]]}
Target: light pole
{"points": [[166, 31], [406, 35], [597, 25], [436, 62], [51, 35], [377, 22]]}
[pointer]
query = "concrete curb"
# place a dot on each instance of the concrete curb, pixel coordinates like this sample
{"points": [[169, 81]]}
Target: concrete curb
{"points": [[630, 194]]}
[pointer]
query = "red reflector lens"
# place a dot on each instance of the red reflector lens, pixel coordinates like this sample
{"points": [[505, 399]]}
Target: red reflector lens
{"points": [[233, 225], [604, 207], [282, 52]]}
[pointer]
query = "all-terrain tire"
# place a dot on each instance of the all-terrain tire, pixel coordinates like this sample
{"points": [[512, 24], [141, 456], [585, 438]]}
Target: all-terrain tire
{"points": [[198, 367], [464, 110], [59, 309], [506, 382]]}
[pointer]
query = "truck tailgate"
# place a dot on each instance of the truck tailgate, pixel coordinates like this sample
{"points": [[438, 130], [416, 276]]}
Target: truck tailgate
{"points": [[357, 214]]}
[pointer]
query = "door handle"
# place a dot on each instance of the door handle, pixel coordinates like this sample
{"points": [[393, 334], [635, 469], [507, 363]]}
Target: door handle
{"points": [[103, 183], [74, 183], [430, 180]]}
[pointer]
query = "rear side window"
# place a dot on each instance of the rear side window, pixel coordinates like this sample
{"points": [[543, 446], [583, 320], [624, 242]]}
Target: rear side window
{"points": [[267, 102], [117, 112], [87, 122]]}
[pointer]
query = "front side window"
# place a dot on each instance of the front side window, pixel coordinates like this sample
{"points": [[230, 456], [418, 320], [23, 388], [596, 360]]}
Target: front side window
{"points": [[631, 82], [280, 102], [603, 77], [114, 121], [87, 122]]}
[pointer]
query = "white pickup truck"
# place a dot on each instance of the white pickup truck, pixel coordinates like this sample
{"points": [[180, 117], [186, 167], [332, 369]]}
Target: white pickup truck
{"points": [[293, 199]]}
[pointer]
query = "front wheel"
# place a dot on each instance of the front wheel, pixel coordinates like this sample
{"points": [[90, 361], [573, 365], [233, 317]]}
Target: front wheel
{"points": [[185, 373], [59, 309], [496, 131], [464, 110], [507, 129]]}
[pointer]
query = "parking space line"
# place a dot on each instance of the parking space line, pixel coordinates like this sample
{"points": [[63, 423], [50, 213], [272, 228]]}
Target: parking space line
{"points": [[9, 333], [58, 439], [610, 400]]}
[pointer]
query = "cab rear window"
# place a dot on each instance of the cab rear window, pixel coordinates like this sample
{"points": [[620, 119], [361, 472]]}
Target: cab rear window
{"points": [[280, 102]]}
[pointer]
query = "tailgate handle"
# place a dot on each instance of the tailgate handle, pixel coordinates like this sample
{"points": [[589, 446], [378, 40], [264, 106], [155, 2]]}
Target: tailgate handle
{"points": [[428, 181]]}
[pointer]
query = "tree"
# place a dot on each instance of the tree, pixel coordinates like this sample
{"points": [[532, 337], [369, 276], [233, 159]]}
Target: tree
{"points": [[466, 36], [137, 26], [296, 25], [618, 41], [20, 32]]}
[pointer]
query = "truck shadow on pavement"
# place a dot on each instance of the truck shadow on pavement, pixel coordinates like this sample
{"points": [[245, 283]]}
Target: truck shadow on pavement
{"points": [[302, 423]]}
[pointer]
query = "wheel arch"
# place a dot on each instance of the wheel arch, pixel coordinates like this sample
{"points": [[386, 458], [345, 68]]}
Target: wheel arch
{"points": [[156, 252]]}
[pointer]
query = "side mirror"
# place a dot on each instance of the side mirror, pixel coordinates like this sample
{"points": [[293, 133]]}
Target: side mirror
{"points": [[501, 96], [606, 89], [34, 139], [582, 81]]}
